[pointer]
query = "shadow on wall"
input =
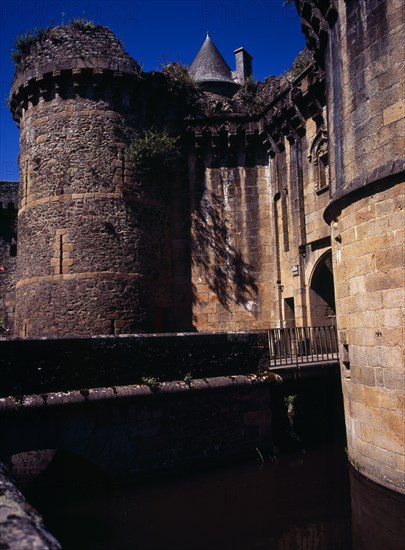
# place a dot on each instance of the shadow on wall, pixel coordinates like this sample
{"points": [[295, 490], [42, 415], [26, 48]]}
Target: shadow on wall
{"points": [[227, 274]]}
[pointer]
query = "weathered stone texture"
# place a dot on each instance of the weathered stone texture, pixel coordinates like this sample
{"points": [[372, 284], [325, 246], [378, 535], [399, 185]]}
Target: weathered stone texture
{"points": [[70, 147], [70, 47], [231, 262], [366, 97], [361, 48], [94, 256], [236, 239], [370, 319], [362, 51], [257, 235], [8, 250], [21, 527]]}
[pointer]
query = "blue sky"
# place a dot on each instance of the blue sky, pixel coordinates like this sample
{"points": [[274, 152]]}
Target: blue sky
{"points": [[154, 33]]}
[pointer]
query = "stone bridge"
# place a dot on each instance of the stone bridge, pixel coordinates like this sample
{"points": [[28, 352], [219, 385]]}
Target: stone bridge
{"points": [[134, 404]]}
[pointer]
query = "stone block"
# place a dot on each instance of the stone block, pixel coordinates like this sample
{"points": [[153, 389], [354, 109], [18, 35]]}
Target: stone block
{"points": [[394, 358], [382, 398], [393, 336], [379, 376], [390, 258], [376, 453], [371, 301], [400, 462], [397, 219], [394, 112], [357, 285], [362, 374], [393, 298], [378, 437], [380, 281]]}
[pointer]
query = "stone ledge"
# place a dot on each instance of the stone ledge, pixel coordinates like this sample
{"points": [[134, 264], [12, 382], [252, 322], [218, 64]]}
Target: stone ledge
{"points": [[76, 276], [381, 178], [21, 527], [52, 399], [70, 197]]}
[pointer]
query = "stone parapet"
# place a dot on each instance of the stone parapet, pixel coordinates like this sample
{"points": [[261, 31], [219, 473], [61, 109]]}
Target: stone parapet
{"points": [[70, 47], [112, 361]]}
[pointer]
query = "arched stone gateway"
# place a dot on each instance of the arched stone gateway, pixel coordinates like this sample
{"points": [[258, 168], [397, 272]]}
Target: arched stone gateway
{"points": [[322, 292]]}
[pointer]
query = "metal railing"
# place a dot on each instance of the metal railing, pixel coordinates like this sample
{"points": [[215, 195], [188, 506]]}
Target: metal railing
{"points": [[302, 345]]}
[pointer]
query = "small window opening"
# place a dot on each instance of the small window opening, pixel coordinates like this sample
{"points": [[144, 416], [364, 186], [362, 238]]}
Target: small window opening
{"points": [[60, 254]]}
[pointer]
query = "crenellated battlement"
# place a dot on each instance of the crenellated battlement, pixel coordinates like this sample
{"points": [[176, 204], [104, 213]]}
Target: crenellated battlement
{"points": [[107, 85], [71, 47], [68, 62]]}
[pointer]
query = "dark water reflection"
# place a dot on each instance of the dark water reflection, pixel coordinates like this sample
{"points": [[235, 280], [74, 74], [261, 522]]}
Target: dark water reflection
{"points": [[378, 515], [299, 501]]}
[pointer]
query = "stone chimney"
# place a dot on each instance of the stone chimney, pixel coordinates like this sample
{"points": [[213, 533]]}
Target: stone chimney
{"points": [[243, 62]]}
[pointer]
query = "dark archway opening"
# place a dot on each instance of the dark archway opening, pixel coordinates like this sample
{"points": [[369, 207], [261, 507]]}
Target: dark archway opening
{"points": [[322, 293]]}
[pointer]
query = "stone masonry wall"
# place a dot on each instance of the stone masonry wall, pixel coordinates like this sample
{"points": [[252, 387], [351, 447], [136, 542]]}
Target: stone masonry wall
{"points": [[136, 429], [231, 252], [369, 274], [257, 235], [77, 234], [73, 363], [137, 403], [365, 64], [93, 259], [8, 250], [365, 93]]}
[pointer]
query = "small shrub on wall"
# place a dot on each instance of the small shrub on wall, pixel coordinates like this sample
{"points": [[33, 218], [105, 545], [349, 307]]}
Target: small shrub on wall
{"points": [[151, 152]]}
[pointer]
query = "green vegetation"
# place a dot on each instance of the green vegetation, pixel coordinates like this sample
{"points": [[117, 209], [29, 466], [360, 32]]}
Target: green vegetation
{"points": [[151, 151], [187, 378], [178, 80], [253, 96], [247, 96], [83, 24], [289, 401], [301, 62], [152, 382], [25, 41]]}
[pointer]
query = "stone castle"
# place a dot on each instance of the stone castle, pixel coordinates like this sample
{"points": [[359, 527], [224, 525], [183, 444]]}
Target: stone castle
{"points": [[281, 204]]}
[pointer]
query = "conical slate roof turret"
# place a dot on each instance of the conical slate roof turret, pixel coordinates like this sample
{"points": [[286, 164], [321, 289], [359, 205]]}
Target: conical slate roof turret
{"points": [[209, 65]]}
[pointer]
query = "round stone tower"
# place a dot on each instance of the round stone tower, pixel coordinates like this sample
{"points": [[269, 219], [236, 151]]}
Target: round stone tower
{"points": [[82, 265], [359, 44]]}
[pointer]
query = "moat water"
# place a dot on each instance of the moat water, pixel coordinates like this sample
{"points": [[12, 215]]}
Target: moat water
{"points": [[303, 499]]}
